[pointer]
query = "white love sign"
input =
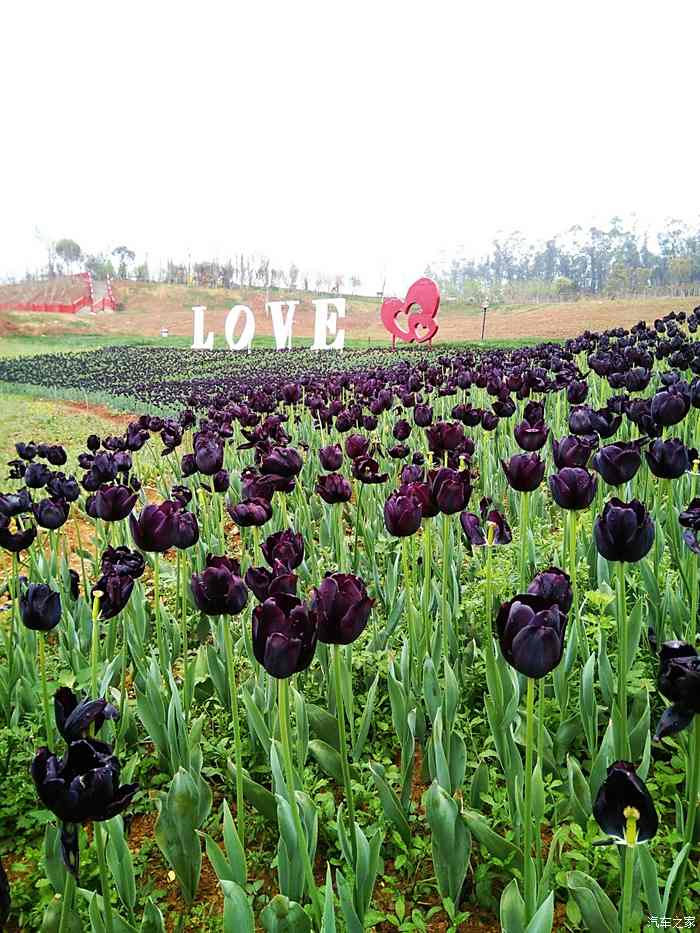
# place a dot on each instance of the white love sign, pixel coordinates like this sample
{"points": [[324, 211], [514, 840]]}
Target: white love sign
{"points": [[328, 311]]}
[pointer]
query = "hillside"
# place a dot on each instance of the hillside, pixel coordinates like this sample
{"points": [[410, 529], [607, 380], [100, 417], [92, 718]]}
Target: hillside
{"points": [[149, 307]]}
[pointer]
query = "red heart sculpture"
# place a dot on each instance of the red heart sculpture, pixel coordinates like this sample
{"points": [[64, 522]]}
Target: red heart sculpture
{"points": [[424, 293]]}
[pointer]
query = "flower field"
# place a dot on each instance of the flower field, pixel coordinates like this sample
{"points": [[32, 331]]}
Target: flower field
{"points": [[394, 641]]}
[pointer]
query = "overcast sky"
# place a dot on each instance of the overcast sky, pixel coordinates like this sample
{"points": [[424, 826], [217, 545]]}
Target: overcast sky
{"points": [[353, 137]]}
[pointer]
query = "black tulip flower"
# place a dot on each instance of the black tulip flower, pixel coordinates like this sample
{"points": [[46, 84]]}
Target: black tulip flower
{"points": [[534, 411], [26, 451], [531, 436], [188, 465], [668, 459], [357, 445], [285, 632], [554, 586], [577, 392], [181, 494], [111, 503], [104, 467], [282, 461], [93, 443], [402, 514], [618, 463], [624, 532], [115, 590], [123, 561], [251, 512], [573, 488], [15, 541], [423, 415], [186, 530], [219, 588], [331, 457], [342, 607], [573, 450], [264, 583], [490, 528], [15, 503], [221, 481], [531, 634], [450, 489], [65, 487], [37, 475], [690, 516], [670, 406], [524, 472], [445, 435], [623, 807], [401, 430], [74, 718], [39, 606], [209, 456], [399, 451], [678, 681], [81, 787], [334, 488], [155, 529], [56, 455], [283, 547], [366, 470], [51, 513], [74, 584]]}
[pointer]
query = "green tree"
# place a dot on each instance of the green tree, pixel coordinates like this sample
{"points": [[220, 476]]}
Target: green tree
{"points": [[68, 252]]}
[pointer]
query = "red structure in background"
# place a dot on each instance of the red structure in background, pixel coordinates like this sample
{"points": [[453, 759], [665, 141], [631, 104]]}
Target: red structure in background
{"points": [[426, 295], [86, 300]]}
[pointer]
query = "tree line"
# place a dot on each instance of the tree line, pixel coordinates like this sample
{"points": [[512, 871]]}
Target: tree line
{"points": [[612, 261]]}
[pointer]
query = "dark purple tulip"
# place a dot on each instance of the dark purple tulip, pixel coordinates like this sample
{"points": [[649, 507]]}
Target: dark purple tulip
{"points": [[423, 415], [489, 421], [56, 455], [605, 422], [450, 489], [155, 528], [65, 487], [366, 470], [618, 463], [209, 456], [489, 528], [581, 420], [221, 481], [283, 547], [690, 516], [51, 513], [668, 459], [251, 512], [356, 445], [531, 436], [399, 451], [412, 473], [93, 443], [445, 435], [524, 472], [37, 475], [401, 430], [264, 583], [219, 588], [423, 493], [15, 503], [81, 787], [678, 681], [74, 584], [116, 590], [402, 514], [620, 792], [111, 503], [104, 467], [342, 606], [334, 488], [624, 532], [573, 451], [186, 530], [18, 540], [188, 465], [285, 632], [573, 488], [26, 451], [122, 561], [74, 718], [182, 494], [554, 586], [670, 406], [577, 392], [331, 457], [531, 634], [282, 461], [534, 411], [264, 486], [39, 606]]}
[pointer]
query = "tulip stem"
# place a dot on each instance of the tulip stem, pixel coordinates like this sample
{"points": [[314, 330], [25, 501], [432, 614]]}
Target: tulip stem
{"points": [[122, 697], [524, 522], [693, 789], [342, 741], [693, 622], [626, 915], [358, 519], [45, 689], [94, 643], [182, 601], [445, 569], [528, 881], [408, 604], [159, 623], [623, 743], [283, 704], [233, 689], [66, 901], [104, 879]]}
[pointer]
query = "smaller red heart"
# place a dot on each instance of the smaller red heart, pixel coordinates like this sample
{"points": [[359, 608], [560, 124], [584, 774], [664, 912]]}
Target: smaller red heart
{"points": [[424, 293]]}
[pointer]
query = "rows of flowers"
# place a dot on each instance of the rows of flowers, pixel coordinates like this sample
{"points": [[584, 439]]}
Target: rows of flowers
{"points": [[496, 554]]}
